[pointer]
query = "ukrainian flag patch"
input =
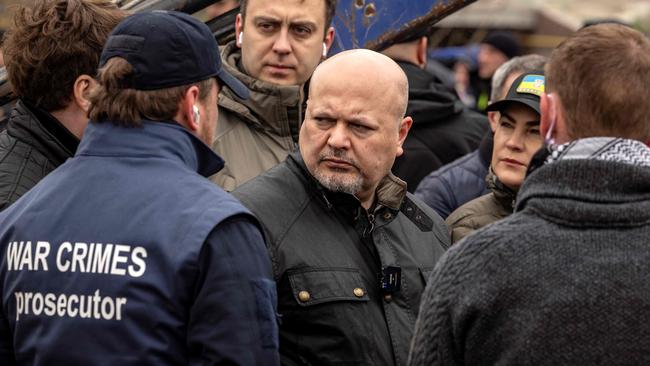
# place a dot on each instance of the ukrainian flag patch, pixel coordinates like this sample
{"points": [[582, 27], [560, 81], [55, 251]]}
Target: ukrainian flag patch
{"points": [[532, 84]]}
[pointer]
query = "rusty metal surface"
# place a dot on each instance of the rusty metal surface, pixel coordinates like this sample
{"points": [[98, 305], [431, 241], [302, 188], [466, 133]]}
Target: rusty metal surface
{"points": [[377, 24]]}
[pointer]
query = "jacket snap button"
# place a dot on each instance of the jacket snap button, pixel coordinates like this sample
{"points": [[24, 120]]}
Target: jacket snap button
{"points": [[358, 292], [387, 216], [304, 296], [388, 298]]}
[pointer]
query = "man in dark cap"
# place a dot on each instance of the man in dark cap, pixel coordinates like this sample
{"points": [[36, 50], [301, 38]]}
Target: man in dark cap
{"points": [[125, 255], [497, 48]]}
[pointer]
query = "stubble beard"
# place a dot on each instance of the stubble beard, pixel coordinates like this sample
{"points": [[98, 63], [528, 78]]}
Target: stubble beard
{"points": [[344, 181]]}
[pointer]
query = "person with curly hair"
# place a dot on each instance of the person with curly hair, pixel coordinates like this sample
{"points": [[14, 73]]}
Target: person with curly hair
{"points": [[51, 55]]}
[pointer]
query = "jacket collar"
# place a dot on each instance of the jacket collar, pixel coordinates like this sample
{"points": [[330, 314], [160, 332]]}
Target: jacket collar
{"points": [[41, 130], [390, 192], [153, 140], [503, 194], [269, 107]]}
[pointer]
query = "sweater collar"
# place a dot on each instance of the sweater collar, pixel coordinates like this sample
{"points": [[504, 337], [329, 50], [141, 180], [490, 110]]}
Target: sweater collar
{"points": [[602, 148], [152, 140], [269, 107], [589, 192]]}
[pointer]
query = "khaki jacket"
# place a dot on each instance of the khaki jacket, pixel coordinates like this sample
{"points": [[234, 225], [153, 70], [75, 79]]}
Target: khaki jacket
{"points": [[256, 134], [482, 211]]}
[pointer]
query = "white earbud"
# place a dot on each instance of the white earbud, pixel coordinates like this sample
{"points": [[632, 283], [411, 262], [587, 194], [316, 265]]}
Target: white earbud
{"points": [[197, 114], [548, 139], [324, 49], [240, 38]]}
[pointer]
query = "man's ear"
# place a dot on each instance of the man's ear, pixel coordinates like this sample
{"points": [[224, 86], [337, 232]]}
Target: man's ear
{"points": [[239, 28], [493, 118], [423, 44], [404, 127], [329, 38], [545, 117], [186, 115], [81, 89], [552, 118]]}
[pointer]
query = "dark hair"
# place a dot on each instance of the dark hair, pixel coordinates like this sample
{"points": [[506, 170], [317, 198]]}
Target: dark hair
{"points": [[110, 101], [330, 9], [601, 75], [52, 43]]}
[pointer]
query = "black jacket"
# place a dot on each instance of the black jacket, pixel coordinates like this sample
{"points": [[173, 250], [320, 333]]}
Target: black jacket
{"points": [[33, 144], [458, 182], [328, 253], [443, 128]]}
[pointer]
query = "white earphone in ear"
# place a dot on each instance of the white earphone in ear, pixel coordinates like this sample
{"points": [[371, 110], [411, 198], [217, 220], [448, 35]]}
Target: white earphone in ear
{"points": [[324, 49], [241, 37], [548, 139], [197, 114]]}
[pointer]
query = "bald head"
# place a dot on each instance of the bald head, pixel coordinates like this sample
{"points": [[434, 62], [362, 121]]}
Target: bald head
{"points": [[369, 70], [354, 125]]}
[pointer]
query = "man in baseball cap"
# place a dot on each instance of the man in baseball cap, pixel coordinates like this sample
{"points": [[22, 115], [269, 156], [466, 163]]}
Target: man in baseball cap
{"points": [[126, 255]]}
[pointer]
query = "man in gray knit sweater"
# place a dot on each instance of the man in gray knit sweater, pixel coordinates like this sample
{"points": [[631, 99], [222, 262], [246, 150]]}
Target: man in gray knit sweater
{"points": [[564, 280]]}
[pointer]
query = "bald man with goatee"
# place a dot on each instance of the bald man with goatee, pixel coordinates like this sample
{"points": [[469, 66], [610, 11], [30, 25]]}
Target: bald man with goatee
{"points": [[351, 248]]}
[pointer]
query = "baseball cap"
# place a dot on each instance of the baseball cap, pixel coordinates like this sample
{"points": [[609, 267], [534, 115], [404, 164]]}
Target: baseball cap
{"points": [[526, 89], [167, 49]]}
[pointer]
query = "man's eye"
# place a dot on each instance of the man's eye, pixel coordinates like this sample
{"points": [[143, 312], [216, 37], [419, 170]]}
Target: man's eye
{"points": [[360, 128], [506, 124], [320, 119], [266, 26], [534, 131], [302, 31]]}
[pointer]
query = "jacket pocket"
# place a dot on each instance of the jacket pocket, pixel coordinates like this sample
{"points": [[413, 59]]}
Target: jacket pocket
{"points": [[322, 285]]}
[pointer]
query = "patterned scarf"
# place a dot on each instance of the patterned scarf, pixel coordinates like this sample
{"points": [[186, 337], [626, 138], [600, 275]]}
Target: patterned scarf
{"points": [[602, 148]]}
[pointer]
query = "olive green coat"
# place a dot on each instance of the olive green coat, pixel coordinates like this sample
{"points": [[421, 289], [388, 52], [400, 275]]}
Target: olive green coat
{"points": [[483, 210], [256, 134]]}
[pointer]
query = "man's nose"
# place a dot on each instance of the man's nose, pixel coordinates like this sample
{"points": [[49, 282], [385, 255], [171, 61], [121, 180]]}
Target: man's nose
{"points": [[338, 137], [282, 44]]}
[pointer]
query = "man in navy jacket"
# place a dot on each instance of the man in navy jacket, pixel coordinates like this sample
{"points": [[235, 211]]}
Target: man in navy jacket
{"points": [[125, 255]]}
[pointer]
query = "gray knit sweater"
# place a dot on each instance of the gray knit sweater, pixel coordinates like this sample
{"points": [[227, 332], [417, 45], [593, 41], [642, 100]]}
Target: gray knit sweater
{"points": [[563, 281]]}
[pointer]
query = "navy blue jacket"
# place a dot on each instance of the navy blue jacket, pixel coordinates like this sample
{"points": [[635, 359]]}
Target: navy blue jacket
{"points": [[458, 182], [124, 255]]}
